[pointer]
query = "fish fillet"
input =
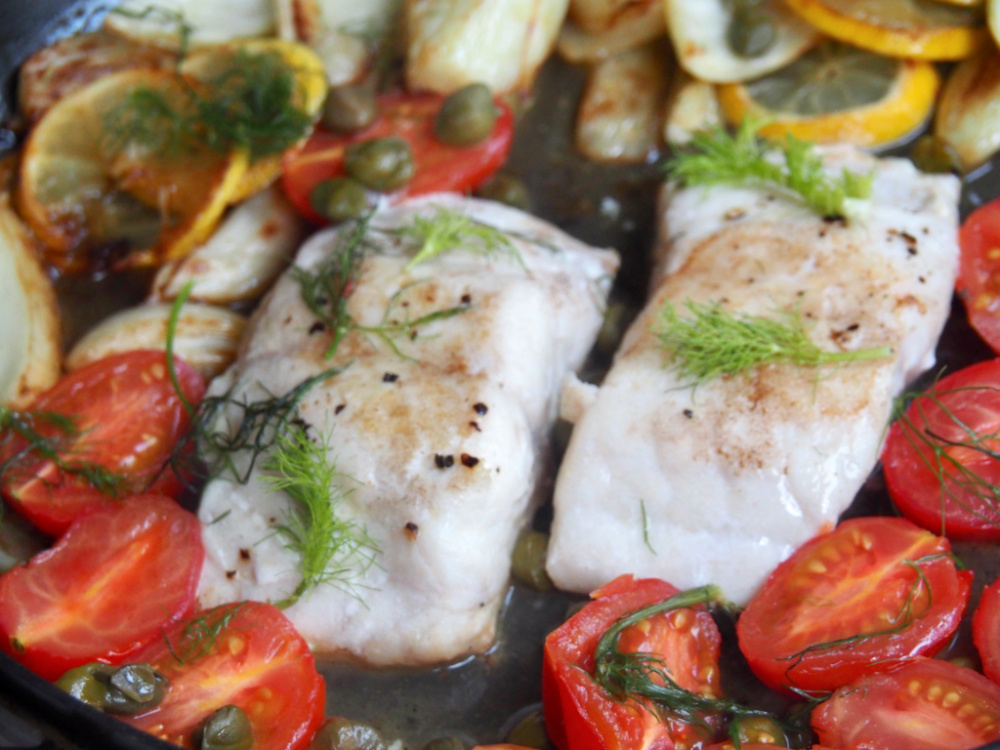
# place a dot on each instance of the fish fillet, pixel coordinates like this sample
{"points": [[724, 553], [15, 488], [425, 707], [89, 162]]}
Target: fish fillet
{"points": [[439, 434], [718, 483]]}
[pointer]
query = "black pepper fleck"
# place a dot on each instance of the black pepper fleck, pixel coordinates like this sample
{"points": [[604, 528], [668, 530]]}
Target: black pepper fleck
{"points": [[317, 327], [480, 409], [339, 408], [230, 574], [443, 462], [469, 461], [411, 530], [390, 377], [688, 413], [244, 554], [475, 425], [466, 299]]}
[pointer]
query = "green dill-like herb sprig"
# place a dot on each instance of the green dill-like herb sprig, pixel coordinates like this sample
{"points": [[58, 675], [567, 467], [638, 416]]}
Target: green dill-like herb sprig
{"points": [[199, 636], [718, 157], [644, 679], [326, 289], [447, 230], [56, 446], [958, 482], [252, 104], [716, 342], [332, 550]]}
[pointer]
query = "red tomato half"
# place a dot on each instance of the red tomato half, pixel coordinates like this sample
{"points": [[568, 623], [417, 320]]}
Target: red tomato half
{"points": [[940, 458], [245, 654], [978, 284], [922, 704], [849, 602], [118, 574], [127, 418], [580, 715], [439, 167], [986, 630]]}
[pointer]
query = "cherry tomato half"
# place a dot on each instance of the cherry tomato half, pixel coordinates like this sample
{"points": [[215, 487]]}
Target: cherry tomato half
{"points": [[126, 419], [986, 630], [978, 283], [439, 167], [580, 715], [118, 574], [940, 457], [921, 704], [846, 603], [247, 655]]}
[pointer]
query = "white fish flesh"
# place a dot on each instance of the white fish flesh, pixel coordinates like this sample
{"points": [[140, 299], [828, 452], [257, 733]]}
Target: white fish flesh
{"points": [[439, 443], [719, 483]]}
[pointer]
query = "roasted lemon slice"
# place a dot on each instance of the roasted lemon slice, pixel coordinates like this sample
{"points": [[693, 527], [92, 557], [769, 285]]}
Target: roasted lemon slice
{"points": [[837, 93], [922, 29], [91, 178], [968, 117], [230, 66]]}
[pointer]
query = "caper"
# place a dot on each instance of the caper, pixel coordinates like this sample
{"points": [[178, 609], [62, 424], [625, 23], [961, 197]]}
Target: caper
{"points": [[466, 117], [530, 732], [339, 199], [137, 687], [751, 30], [505, 188], [932, 154], [89, 683], [759, 728], [349, 108], [343, 734], [528, 560], [445, 743], [383, 164], [124, 690], [227, 729]]}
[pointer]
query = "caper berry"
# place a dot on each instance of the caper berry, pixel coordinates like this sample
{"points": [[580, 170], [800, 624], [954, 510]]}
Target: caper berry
{"points": [[348, 109], [528, 560], [383, 164], [751, 30], [227, 729], [124, 690], [466, 117], [530, 732], [343, 734], [759, 728], [505, 188], [445, 743], [339, 199]]}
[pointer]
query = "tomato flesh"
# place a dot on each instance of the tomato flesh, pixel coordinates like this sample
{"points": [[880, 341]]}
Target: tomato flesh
{"points": [[245, 654], [978, 283], [580, 715], [118, 574], [921, 704], [986, 630], [848, 602], [439, 166], [127, 417], [939, 459]]}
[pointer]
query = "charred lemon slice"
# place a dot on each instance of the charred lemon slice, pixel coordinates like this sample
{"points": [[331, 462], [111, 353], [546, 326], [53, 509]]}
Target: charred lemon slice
{"points": [[102, 169], [922, 29], [837, 93], [288, 85]]}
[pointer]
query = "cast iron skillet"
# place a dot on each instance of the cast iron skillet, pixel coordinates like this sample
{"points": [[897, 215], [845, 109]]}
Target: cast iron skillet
{"points": [[479, 698]]}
